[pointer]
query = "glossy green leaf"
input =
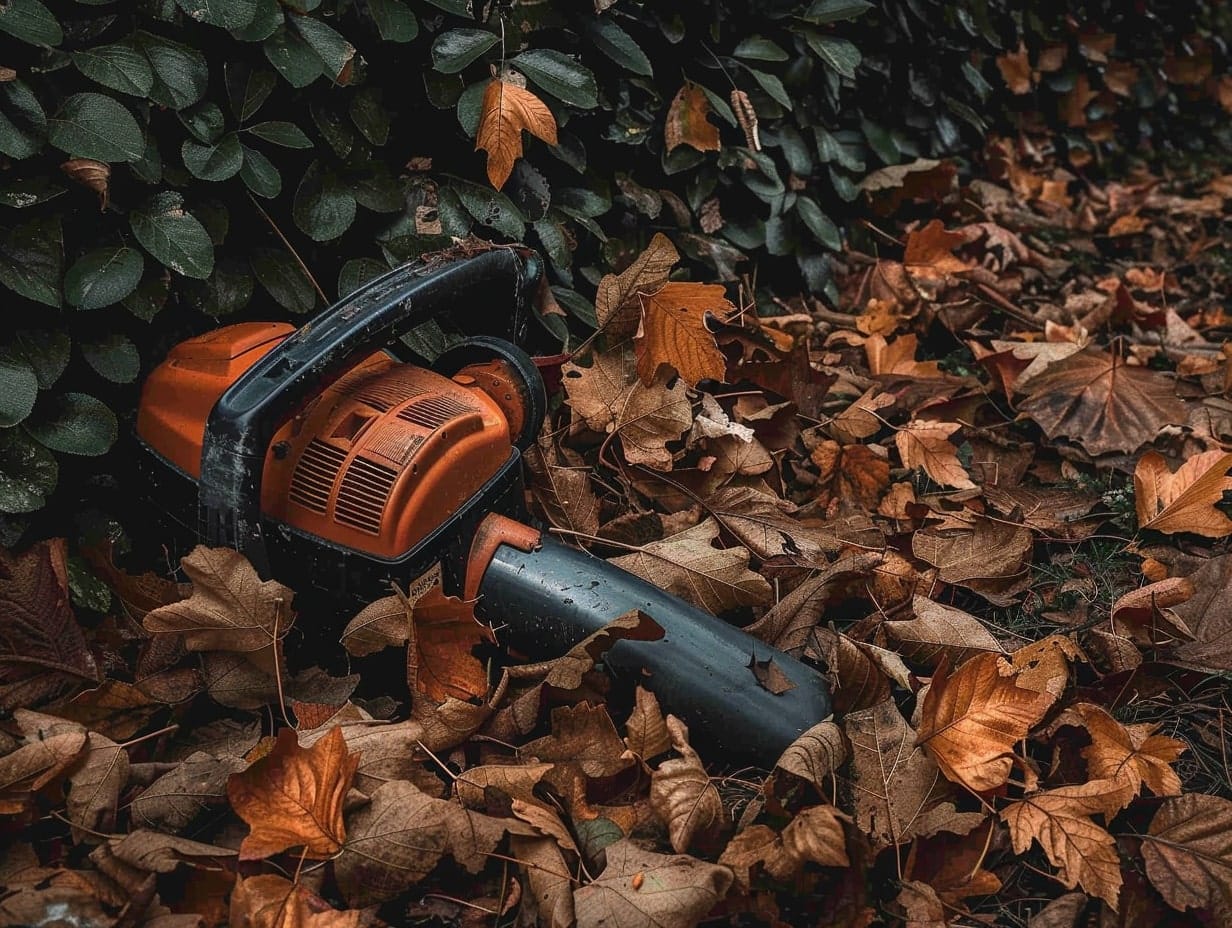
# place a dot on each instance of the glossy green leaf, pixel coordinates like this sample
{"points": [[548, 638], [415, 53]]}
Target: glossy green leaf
{"points": [[248, 90], [323, 207], [227, 14], [561, 76], [839, 54], [120, 66], [284, 280], [259, 174], [47, 350], [454, 50], [180, 72], [103, 276], [23, 124], [149, 298], [618, 45], [93, 125], [174, 236], [357, 272], [394, 20], [333, 50], [204, 122], [771, 84], [370, 116], [113, 357], [32, 260], [74, 423], [759, 48], [227, 290], [28, 472], [268, 17], [213, 162], [30, 21], [292, 57], [833, 11], [276, 132], [470, 108], [18, 387], [491, 208], [822, 227]]}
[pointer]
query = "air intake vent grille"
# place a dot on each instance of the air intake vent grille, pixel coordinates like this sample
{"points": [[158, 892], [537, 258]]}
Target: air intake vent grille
{"points": [[386, 393], [362, 497], [315, 473], [434, 411]]}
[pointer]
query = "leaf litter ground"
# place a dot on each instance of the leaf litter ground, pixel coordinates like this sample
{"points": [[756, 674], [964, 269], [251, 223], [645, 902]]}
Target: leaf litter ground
{"points": [[984, 492]]}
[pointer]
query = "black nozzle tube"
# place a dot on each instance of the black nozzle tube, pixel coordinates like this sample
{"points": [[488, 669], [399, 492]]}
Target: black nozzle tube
{"points": [[551, 598]]}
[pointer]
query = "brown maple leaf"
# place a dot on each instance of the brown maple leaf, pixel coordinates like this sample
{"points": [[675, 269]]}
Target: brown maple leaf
{"points": [[440, 662], [271, 901], [617, 306], [929, 257], [508, 109], [673, 331], [293, 796], [1183, 501], [1130, 754], [926, 444], [687, 123]]}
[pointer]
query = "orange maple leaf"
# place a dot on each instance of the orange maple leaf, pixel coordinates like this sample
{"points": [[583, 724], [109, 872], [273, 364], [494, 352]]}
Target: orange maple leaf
{"points": [[929, 255], [926, 444], [508, 109], [1183, 501], [443, 633], [293, 796], [673, 331], [687, 123]]}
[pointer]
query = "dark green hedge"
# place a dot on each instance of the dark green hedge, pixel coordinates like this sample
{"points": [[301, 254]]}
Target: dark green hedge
{"points": [[259, 157]]}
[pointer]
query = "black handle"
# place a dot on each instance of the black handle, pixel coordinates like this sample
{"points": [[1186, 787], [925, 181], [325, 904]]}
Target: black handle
{"points": [[548, 599], [493, 286]]}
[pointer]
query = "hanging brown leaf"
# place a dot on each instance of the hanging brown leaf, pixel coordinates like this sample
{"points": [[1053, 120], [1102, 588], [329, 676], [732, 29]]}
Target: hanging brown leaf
{"points": [[507, 110], [673, 331], [683, 796], [926, 444], [971, 719], [1103, 404], [687, 123], [1183, 501], [1188, 854], [293, 796], [230, 609]]}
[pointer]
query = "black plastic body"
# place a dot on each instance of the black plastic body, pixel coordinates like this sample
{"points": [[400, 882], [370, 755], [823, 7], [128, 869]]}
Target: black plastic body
{"points": [[493, 285], [549, 599]]}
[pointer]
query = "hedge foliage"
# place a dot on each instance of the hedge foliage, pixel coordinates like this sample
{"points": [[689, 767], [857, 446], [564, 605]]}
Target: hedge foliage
{"points": [[199, 158]]}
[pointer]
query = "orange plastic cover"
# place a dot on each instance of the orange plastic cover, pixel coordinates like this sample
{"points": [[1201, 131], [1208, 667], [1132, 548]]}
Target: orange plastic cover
{"points": [[379, 459]]}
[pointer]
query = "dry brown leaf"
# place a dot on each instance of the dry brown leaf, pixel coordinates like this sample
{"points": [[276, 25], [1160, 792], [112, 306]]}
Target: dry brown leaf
{"points": [[646, 731], [1134, 754], [173, 801], [682, 795], [687, 123], [971, 719], [270, 901], [814, 835], [293, 796], [617, 306], [897, 357], [1098, 401], [673, 331], [1207, 618], [154, 852], [550, 888], [816, 754], [991, 557], [439, 659], [479, 787], [763, 523], [35, 764], [850, 473], [565, 493], [1188, 854], [926, 444], [1146, 615], [1043, 665], [94, 787], [231, 609], [921, 905], [860, 420], [689, 566], [1061, 912], [1183, 501], [386, 622], [583, 735], [938, 631], [929, 257], [1015, 68], [507, 109]]}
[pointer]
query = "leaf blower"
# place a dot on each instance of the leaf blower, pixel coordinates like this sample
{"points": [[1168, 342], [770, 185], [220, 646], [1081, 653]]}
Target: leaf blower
{"points": [[333, 456]]}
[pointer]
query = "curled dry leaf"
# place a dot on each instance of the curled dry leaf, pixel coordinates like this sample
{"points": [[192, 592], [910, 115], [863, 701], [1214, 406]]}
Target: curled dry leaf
{"points": [[1188, 854], [508, 109], [816, 755], [687, 123], [386, 622], [646, 731], [547, 875], [1183, 501], [926, 444], [682, 795], [673, 331], [815, 835], [971, 719], [91, 174], [293, 796], [440, 662], [1146, 616]]}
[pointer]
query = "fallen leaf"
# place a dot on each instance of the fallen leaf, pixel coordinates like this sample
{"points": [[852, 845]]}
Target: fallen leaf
{"points": [[674, 891], [687, 123], [439, 661], [507, 109], [476, 787], [293, 796], [896, 357], [1207, 618], [646, 731], [673, 331], [814, 835], [971, 719], [1015, 68], [860, 420], [617, 303], [547, 875], [1188, 854], [929, 257], [94, 787], [583, 735], [154, 852], [1061, 912], [565, 493], [1146, 615], [271, 901], [991, 557], [816, 755], [1043, 665], [682, 795], [1183, 501], [1133, 754], [231, 609], [763, 523], [173, 801], [938, 631], [850, 473], [926, 444], [36, 763]]}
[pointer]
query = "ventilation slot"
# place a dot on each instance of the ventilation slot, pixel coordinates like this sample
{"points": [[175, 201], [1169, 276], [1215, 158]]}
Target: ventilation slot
{"points": [[363, 495], [315, 473], [385, 393], [434, 411]]}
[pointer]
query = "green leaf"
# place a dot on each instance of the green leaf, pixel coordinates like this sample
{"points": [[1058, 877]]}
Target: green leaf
{"points": [[23, 124], [276, 132], [24, 192], [149, 297], [102, 277], [560, 76], [227, 14], [379, 192], [284, 280], [323, 207], [491, 208], [334, 51], [759, 48], [173, 236], [292, 57], [120, 66], [394, 20], [773, 86], [470, 108], [456, 7], [32, 260], [180, 72], [357, 272], [618, 45], [228, 289], [18, 387], [30, 21], [832, 11], [92, 125], [370, 116], [267, 18], [204, 122], [47, 350], [837, 53], [86, 590], [260, 174], [28, 472], [113, 357], [213, 162], [248, 89], [454, 50], [75, 423], [822, 227], [334, 128]]}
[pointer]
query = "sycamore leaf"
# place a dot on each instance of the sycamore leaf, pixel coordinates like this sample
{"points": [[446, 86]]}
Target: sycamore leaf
{"points": [[673, 331], [507, 109], [293, 796], [1188, 854], [926, 444], [815, 835], [642, 889], [271, 901], [1183, 501], [682, 795], [439, 662], [939, 630], [230, 609], [929, 257], [617, 306], [1134, 754], [687, 123], [688, 565], [971, 719]]}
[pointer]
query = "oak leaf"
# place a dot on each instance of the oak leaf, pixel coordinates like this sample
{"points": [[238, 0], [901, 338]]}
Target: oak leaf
{"points": [[507, 109], [687, 123], [673, 331], [617, 306], [689, 566], [938, 631], [1103, 404], [230, 609], [293, 796], [1188, 854], [814, 835], [926, 444], [682, 795], [971, 719], [1183, 501], [271, 901], [642, 889]]}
